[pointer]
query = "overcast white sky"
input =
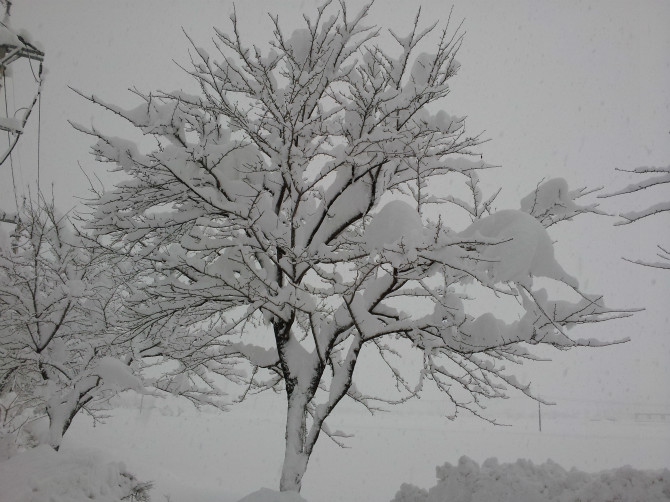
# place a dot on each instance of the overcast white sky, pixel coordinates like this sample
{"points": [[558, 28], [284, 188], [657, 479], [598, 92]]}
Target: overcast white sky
{"points": [[570, 89]]}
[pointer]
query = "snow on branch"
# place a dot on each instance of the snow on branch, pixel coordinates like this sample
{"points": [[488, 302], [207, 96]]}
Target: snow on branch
{"points": [[6, 217], [656, 176], [661, 176], [552, 201]]}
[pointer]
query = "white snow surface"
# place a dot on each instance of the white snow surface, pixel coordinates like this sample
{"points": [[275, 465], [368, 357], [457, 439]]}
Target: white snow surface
{"points": [[8, 36], [5, 243], [117, 375], [397, 221], [209, 456], [12, 124], [43, 475], [518, 246], [267, 495], [551, 197], [524, 481]]}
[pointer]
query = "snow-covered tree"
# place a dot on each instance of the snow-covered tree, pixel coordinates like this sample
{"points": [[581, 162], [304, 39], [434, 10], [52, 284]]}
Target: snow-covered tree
{"points": [[651, 177], [282, 217], [59, 350], [64, 343]]}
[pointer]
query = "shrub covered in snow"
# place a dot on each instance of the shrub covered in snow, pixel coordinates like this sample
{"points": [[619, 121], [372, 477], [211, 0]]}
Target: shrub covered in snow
{"points": [[44, 475], [524, 481]]}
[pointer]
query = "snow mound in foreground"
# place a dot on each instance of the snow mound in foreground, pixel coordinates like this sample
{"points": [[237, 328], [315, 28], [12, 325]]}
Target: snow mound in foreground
{"points": [[267, 495], [524, 481], [43, 475]]}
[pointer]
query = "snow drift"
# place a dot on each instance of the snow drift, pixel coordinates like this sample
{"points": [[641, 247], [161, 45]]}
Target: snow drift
{"points": [[43, 475], [267, 495], [524, 481]]}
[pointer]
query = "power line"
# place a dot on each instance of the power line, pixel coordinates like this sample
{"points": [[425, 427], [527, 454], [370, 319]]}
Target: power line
{"points": [[9, 141], [39, 125], [19, 163]]}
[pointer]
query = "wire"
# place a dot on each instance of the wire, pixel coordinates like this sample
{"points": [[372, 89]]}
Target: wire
{"points": [[37, 78], [39, 127], [22, 181], [9, 140]]}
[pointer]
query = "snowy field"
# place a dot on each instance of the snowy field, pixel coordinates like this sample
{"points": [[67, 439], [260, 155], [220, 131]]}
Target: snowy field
{"points": [[209, 456]]}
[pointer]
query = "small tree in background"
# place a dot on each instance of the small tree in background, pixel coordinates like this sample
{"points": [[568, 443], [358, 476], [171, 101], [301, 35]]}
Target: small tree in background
{"points": [[280, 222], [59, 349], [64, 343]]}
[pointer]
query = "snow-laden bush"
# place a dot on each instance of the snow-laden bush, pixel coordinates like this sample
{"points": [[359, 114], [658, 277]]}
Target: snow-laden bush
{"points": [[524, 481], [44, 475]]}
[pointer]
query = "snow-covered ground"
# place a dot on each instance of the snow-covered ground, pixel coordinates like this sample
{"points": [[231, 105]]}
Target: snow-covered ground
{"points": [[524, 481], [210, 456], [42, 475]]}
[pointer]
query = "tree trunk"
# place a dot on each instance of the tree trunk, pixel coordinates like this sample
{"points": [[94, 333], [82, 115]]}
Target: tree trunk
{"points": [[297, 453], [59, 421], [61, 410]]}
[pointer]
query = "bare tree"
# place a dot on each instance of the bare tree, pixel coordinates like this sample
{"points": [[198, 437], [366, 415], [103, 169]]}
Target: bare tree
{"points": [[653, 176], [280, 215]]}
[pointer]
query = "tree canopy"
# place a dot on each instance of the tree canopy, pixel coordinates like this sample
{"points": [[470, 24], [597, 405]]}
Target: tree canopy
{"points": [[278, 222]]}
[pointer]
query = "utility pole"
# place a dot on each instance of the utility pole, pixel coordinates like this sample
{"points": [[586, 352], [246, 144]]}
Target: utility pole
{"points": [[13, 47], [539, 415]]}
